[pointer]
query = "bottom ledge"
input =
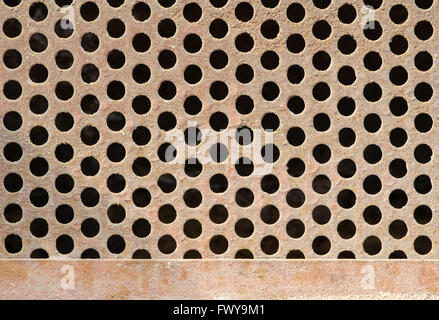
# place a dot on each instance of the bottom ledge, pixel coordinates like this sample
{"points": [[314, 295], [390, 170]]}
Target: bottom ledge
{"points": [[219, 279]]}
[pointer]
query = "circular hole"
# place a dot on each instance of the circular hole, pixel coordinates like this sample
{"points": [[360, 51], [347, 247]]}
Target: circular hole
{"points": [[270, 214], [218, 183], [12, 90], [90, 254], [141, 104], [219, 90], [12, 152], [64, 244], [64, 214], [64, 183], [116, 213], [116, 90], [89, 11], [38, 135], [372, 30], [244, 42], [269, 245], [424, 4], [398, 14], [167, 90], [192, 228], [192, 12], [90, 166], [39, 254], [321, 214], [296, 43], [218, 59], [141, 228], [423, 30], [116, 183], [64, 59], [167, 59], [295, 228], [141, 42], [346, 199], [64, 28], [90, 227], [422, 214], [116, 121], [321, 184], [244, 197], [347, 44], [398, 198], [89, 135], [64, 90], [13, 243], [346, 229], [13, 213], [244, 104], [398, 137], [270, 29], [218, 214], [141, 167], [422, 245], [64, 152], [38, 42], [295, 167], [347, 13], [321, 245], [321, 4], [166, 28], [167, 213], [372, 184], [167, 183], [141, 11], [141, 73], [295, 12], [12, 120], [12, 28], [116, 244], [90, 197], [372, 154], [423, 61], [244, 11], [398, 229], [141, 197], [372, 215], [321, 91], [12, 59], [90, 42], [115, 28], [372, 61], [167, 244], [398, 45], [295, 254], [422, 184], [321, 30], [192, 43], [218, 244], [192, 198], [295, 198], [372, 245]]}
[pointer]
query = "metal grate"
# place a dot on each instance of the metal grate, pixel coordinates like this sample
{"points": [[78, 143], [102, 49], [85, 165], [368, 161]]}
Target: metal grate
{"points": [[218, 129]]}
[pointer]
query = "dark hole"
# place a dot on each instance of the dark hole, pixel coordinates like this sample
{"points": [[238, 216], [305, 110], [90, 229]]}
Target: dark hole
{"points": [[38, 135], [13, 213], [346, 137], [39, 254], [192, 228], [141, 136], [372, 61], [116, 213], [64, 121], [141, 197], [64, 90], [167, 244], [398, 229], [89, 135], [12, 152], [423, 122], [64, 183], [372, 184], [115, 28], [192, 43], [244, 11], [167, 213], [321, 214], [141, 228], [424, 30], [422, 214], [321, 60], [167, 152], [64, 244], [12, 59], [270, 184], [295, 43], [422, 245], [116, 244], [192, 105], [244, 197], [219, 90], [422, 184], [398, 14], [167, 59], [346, 229], [116, 183], [244, 73], [346, 199], [295, 12], [372, 245], [398, 137], [347, 44], [346, 75], [64, 214], [167, 90], [244, 104], [295, 228], [116, 90], [38, 42], [167, 183], [218, 183], [372, 122], [141, 104], [423, 61], [39, 227], [218, 59], [89, 11], [167, 28], [321, 30], [321, 153], [13, 182], [64, 152], [372, 215], [193, 167], [192, 254], [398, 254], [373, 30], [218, 214], [398, 198], [141, 11], [321, 91], [12, 120], [244, 167], [64, 59], [12, 28], [398, 168], [347, 13], [141, 254], [295, 198], [141, 73], [192, 12], [90, 166], [116, 59], [90, 197], [295, 254], [218, 28], [244, 254], [12, 90], [295, 167], [141, 42], [398, 76], [270, 214], [218, 244], [270, 60], [90, 42], [64, 28], [90, 254], [13, 243], [423, 92], [321, 245], [244, 42], [192, 198], [372, 92], [116, 121], [270, 29], [372, 153], [296, 104]]}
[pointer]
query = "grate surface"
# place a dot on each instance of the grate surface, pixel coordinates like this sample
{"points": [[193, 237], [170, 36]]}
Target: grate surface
{"points": [[339, 99]]}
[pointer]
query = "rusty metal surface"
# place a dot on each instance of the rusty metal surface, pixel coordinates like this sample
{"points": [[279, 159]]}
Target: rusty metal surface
{"points": [[379, 210], [218, 279]]}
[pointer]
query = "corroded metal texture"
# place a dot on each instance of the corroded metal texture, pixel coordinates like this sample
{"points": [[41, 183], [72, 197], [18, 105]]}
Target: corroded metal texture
{"points": [[218, 279], [345, 92]]}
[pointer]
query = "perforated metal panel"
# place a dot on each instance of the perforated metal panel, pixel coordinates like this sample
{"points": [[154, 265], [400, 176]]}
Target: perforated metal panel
{"points": [[325, 111]]}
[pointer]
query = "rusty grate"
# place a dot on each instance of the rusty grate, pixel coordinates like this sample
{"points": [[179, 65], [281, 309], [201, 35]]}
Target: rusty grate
{"points": [[218, 129]]}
